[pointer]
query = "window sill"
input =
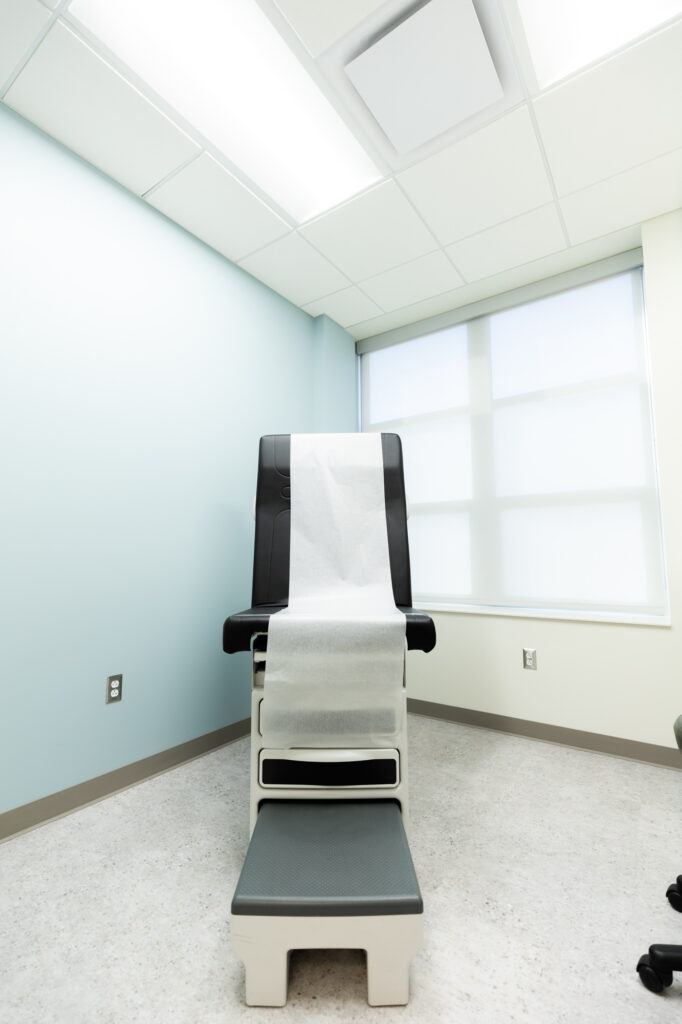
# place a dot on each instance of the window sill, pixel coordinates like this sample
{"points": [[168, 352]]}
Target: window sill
{"points": [[574, 615]]}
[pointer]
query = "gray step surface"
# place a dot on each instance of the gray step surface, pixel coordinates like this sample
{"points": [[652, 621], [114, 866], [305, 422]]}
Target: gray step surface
{"points": [[328, 858]]}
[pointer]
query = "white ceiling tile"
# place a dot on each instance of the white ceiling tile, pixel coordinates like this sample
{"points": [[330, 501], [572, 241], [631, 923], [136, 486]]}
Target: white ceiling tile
{"points": [[209, 201], [319, 23], [20, 24], [420, 279], [413, 313], [620, 114], [488, 177], [345, 307], [51, 3], [517, 241], [374, 232], [557, 263], [75, 96], [629, 198], [429, 73], [294, 269]]}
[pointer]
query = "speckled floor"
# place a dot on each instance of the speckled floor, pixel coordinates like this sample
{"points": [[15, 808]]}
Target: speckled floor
{"points": [[543, 871]]}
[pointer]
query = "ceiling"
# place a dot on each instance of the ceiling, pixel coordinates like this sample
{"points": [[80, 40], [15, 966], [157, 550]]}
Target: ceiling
{"points": [[536, 182]]}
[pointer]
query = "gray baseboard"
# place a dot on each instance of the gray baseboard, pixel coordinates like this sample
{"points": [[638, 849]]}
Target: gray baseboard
{"points": [[20, 819], [650, 753], [39, 811]]}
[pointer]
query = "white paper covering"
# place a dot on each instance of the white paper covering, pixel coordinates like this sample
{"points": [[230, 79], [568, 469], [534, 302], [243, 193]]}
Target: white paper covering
{"points": [[334, 667]]}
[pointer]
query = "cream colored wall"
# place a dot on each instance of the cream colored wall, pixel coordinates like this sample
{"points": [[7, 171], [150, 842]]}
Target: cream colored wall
{"points": [[619, 680]]}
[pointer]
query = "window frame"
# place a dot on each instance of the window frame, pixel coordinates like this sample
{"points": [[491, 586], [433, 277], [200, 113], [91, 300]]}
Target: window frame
{"points": [[481, 400]]}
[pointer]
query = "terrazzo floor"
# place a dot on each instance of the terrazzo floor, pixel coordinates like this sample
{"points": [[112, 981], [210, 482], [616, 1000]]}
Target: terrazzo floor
{"points": [[543, 870]]}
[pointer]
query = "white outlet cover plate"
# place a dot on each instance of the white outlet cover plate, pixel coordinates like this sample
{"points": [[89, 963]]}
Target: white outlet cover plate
{"points": [[430, 73]]}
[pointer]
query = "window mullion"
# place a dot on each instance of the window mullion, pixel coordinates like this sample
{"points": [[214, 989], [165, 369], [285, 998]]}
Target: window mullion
{"points": [[485, 544]]}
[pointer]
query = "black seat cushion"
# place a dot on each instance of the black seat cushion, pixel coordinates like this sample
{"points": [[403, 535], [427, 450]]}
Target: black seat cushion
{"points": [[328, 858], [242, 626]]}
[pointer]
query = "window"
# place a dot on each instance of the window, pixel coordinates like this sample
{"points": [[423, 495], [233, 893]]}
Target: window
{"points": [[529, 457]]}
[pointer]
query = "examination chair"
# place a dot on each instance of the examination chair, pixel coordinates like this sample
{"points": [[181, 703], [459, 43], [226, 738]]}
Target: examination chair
{"points": [[328, 864], [656, 967]]}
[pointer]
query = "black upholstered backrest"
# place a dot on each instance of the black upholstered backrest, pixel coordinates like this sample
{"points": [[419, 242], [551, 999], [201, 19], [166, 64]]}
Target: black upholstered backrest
{"points": [[273, 517]]}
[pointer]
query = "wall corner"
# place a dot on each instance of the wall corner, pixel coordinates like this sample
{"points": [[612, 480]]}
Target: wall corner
{"points": [[335, 388]]}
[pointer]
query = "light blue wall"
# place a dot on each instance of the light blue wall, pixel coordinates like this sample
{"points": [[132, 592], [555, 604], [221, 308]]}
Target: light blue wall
{"points": [[138, 369], [335, 379]]}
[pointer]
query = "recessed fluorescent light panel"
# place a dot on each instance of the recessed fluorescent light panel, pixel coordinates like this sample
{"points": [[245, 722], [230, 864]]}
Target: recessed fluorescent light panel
{"points": [[566, 35], [227, 71], [431, 72]]}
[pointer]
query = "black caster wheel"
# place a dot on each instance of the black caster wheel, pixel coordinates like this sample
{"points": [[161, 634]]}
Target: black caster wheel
{"points": [[652, 979], [674, 895]]}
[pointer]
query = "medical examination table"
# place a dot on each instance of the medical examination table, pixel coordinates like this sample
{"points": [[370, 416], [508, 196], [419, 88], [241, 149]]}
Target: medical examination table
{"points": [[328, 863]]}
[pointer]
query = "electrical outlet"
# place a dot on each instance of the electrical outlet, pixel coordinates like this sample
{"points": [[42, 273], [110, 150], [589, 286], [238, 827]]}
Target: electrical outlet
{"points": [[114, 689], [530, 659]]}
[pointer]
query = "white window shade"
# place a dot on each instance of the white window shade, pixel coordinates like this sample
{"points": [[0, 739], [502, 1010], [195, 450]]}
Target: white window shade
{"points": [[578, 442], [529, 457], [419, 377], [586, 555], [450, 573], [438, 453], [593, 337]]}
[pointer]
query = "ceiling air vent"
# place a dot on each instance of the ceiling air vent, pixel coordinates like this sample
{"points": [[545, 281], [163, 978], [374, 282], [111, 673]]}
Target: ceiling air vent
{"points": [[430, 73]]}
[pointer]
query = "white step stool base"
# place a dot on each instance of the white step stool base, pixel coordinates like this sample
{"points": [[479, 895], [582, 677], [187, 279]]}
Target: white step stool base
{"points": [[264, 943]]}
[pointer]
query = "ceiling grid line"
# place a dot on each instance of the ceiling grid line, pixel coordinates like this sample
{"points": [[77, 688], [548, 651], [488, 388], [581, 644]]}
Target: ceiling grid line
{"points": [[550, 176], [296, 44], [499, 223], [171, 174], [526, 187], [28, 54], [156, 100], [626, 170], [531, 110], [423, 220], [590, 252]]}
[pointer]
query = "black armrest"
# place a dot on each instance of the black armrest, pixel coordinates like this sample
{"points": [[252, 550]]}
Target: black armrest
{"points": [[240, 627], [420, 630]]}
